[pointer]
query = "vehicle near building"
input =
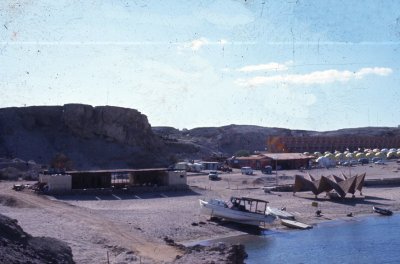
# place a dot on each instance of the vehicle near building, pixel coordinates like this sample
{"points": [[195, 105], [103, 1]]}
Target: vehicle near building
{"points": [[247, 170], [363, 161], [354, 162], [213, 176], [267, 170]]}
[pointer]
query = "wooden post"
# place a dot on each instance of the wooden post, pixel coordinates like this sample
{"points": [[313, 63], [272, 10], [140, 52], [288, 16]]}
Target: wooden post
{"points": [[276, 171]]}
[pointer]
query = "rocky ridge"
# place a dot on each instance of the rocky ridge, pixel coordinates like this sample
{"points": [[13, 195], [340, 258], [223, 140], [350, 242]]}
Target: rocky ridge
{"points": [[105, 137], [92, 137]]}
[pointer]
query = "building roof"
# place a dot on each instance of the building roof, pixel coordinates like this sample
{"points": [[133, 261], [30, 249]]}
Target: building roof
{"points": [[116, 171], [286, 156], [276, 156], [252, 157]]}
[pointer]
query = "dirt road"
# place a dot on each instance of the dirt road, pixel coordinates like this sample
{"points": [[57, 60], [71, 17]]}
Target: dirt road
{"points": [[70, 219]]}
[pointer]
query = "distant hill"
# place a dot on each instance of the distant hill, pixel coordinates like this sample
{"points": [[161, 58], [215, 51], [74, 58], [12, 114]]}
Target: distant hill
{"points": [[104, 137], [226, 140]]}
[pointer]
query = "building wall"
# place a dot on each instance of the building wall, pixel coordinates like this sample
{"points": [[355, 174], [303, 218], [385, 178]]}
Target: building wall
{"points": [[278, 144], [291, 164], [149, 178], [255, 164], [210, 165], [57, 183], [91, 180], [177, 178]]}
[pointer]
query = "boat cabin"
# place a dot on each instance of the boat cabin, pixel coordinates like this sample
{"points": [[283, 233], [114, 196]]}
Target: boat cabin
{"points": [[249, 205]]}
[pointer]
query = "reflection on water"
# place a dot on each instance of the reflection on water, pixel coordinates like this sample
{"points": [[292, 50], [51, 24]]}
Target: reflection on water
{"points": [[366, 240]]}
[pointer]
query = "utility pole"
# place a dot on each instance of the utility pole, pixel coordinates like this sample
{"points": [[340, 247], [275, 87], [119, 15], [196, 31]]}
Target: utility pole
{"points": [[276, 171]]}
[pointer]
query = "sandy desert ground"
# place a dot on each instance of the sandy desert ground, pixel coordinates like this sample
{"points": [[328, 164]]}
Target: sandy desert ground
{"points": [[131, 228]]}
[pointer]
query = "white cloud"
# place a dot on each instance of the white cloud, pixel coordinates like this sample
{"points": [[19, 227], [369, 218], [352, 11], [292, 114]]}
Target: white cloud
{"points": [[198, 43], [317, 77], [272, 66], [378, 71], [223, 41]]}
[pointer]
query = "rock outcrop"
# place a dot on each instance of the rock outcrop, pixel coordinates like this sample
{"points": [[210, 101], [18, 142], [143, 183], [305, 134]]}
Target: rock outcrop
{"points": [[105, 137], [16, 246], [91, 137], [122, 125], [216, 254]]}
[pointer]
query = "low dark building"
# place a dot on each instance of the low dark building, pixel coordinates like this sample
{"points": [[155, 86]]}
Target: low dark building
{"points": [[115, 179], [90, 179], [286, 161]]}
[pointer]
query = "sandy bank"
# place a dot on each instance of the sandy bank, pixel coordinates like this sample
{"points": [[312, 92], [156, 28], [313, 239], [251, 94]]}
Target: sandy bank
{"points": [[132, 228]]}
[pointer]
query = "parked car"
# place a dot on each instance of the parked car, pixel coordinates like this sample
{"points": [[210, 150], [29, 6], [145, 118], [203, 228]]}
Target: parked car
{"points": [[363, 161], [379, 162], [18, 187], [267, 170], [353, 162], [346, 163], [247, 170], [213, 176], [375, 159], [225, 169]]}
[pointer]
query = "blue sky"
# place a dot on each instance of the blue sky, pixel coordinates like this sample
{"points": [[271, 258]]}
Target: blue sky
{"points": [[317, 65]]}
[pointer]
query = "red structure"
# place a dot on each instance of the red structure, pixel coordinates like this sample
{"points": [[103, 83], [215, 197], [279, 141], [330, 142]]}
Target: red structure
{"points": [[278, 144], [286, 161]]}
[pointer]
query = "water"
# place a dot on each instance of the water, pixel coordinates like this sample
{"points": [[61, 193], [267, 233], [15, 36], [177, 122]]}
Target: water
{"points": [[366, 240]]}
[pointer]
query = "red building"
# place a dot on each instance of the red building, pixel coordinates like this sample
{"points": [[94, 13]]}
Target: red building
{"points": [[286, 161]]}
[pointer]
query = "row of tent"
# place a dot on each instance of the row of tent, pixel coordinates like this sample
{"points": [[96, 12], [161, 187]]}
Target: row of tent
{"points": [[367, 153]]}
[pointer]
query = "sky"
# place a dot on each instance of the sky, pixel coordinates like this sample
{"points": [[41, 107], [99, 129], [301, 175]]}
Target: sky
{"points": [[314, 65]]}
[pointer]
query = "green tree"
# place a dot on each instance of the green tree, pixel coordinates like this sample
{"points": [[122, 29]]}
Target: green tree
{"points": [[242, 153]]}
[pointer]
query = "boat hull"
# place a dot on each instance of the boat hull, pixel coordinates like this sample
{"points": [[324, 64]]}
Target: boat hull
{"points": [[280, 213], [237, 216], [294, 224], [382, 211]]}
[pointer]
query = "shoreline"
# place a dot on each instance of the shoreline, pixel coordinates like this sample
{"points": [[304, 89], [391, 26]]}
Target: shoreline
{"points": [[143, 223], [281, 229]]}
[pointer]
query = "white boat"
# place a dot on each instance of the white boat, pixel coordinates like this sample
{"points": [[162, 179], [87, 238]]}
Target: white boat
{"points": [[243, 210], [381, 211], [295, 224], [280, 213]]}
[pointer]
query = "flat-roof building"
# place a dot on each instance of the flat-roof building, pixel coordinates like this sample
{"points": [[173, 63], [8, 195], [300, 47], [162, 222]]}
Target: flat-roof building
{"points": [[286, 161], [134, 179]]}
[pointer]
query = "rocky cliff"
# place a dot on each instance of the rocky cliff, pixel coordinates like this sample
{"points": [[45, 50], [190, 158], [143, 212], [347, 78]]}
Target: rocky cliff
{"points": [[113, 137], [91, 137]]}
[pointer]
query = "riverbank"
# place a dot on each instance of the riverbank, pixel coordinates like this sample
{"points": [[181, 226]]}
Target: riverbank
{"points": [[133, 228]]}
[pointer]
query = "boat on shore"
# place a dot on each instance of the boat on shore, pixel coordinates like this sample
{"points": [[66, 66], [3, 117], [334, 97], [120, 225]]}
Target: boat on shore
{"points": [[281, 214], [382, 211], [241, 210], [295, 224]]}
